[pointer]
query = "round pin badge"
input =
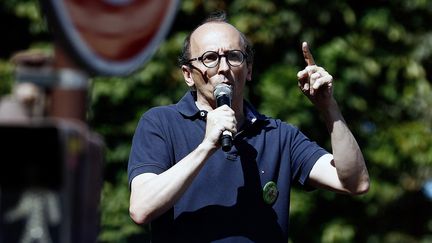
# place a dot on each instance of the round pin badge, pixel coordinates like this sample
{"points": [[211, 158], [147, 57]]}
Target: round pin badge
{"points": [[270, 192]]}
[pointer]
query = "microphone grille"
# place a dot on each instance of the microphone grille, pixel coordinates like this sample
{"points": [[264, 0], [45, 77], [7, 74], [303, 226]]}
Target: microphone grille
{"points": [[222, 89]]}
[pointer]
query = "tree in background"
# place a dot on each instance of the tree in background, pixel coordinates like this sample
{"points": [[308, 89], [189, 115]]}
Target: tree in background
{"points": [[380, 55]]}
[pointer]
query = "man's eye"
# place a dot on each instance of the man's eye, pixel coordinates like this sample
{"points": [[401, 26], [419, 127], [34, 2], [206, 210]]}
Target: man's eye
{"points": [[210, 57], [234, 57]]}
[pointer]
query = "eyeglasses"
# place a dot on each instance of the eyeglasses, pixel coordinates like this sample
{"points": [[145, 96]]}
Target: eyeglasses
{"points": [[211, 59]]}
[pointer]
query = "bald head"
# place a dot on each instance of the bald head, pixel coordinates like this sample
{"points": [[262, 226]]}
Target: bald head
{"points": [[214, 30], [215, 36]]}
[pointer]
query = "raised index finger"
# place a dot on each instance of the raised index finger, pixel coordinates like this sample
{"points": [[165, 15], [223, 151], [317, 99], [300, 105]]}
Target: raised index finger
{"points": [[307, 54]]}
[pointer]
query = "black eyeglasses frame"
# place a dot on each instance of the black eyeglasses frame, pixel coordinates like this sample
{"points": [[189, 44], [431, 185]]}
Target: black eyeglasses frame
{"points": [[200, 58]]}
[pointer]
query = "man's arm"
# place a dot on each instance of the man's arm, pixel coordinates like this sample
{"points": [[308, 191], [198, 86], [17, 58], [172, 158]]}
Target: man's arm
{"points": [[345, 171], [152, 194]]}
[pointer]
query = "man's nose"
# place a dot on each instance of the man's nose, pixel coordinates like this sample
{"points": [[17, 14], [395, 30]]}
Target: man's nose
{"points": [[223, 64]]}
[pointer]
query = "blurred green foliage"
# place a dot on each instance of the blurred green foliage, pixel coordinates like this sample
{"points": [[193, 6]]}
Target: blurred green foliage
{"points": [[380, 55]]}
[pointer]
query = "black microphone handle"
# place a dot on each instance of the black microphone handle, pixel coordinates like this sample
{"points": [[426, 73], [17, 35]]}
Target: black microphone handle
{"points": [[223, 100], [226, 138], [226, 141]]}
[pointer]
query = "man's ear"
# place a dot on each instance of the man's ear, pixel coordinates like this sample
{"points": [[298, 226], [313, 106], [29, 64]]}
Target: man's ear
{"points": [[187, 75], [249, 72]]}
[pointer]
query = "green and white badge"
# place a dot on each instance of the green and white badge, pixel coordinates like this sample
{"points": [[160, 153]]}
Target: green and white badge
{"points": [[270, 192]]}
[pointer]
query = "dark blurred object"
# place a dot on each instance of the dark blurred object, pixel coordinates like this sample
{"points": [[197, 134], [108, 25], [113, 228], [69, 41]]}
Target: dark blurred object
{"points": [[33, 153], [16, 35], [50, 182], [50, 163]]}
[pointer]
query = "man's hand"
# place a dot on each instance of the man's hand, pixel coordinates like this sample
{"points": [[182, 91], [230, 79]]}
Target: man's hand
{"points": [[314, 81], [219, 120]]}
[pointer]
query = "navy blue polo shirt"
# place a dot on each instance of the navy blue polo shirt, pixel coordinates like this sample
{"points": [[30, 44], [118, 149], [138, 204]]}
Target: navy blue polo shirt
{"points": [[225, 201]]}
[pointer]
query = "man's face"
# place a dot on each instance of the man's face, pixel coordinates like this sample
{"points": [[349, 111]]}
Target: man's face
{"points": [[218, 37]]}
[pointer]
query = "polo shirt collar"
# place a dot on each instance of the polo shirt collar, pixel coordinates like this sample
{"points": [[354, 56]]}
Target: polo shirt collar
{"points": [[251, 114], [186, 106]]}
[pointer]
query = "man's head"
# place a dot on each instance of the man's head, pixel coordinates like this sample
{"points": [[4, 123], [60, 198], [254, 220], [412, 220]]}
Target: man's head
{"points": [[232, 55], [219, 17]]}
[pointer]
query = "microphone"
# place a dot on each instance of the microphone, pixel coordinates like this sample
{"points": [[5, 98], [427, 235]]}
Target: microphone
{"points": [[223, 95]]}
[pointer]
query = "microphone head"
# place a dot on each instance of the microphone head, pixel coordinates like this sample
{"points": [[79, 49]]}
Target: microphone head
{"points": [[222, 89]]}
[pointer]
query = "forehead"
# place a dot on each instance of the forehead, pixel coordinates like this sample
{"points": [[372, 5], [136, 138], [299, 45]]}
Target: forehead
{"points": [[216, 36]]}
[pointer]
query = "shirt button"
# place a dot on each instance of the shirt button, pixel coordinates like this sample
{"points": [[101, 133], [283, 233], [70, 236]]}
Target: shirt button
{"points": [[203, 114]]}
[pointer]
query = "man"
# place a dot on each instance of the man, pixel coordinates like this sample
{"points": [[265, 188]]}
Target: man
{"points": [[192, 191]]}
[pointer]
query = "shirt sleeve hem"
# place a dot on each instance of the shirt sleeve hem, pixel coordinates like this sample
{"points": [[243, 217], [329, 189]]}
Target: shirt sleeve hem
{"points": [[148, 168], [308, 167]]}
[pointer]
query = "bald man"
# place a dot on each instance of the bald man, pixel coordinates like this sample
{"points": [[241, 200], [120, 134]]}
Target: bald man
{"points": [[191, 190]]}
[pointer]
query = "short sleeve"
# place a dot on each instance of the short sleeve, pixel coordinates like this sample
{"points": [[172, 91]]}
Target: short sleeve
{"points": [[149, 150], [304, 154]]}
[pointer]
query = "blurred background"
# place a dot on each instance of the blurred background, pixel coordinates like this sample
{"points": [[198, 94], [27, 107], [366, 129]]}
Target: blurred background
{"points": [[380, 55]]}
